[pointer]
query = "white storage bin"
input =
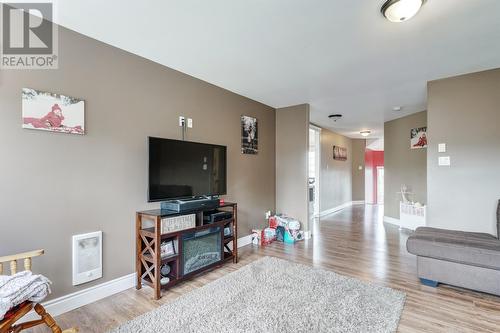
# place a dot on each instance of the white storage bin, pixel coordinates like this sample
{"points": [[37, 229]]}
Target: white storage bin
{"points": [[411, 216]]}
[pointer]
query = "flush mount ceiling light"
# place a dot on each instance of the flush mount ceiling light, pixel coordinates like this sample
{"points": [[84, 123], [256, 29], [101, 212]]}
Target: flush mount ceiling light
{"points": [[365, 133], [401, 10]]}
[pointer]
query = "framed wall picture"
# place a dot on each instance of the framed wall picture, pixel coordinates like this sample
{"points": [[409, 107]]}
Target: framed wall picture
{"points": [[87, 257], [52, 112], [249, 135], [339, 153], [418, 138]]}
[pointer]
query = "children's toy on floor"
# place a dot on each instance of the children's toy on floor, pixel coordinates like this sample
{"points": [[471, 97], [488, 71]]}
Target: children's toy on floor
{"points": [[257, 236], [288, 238], [263, 237], [269, 235], [273, 222], [280, 234], [281, 228], [288, 229]]}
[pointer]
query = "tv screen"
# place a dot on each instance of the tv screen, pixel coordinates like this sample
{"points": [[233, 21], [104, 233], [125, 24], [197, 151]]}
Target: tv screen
{"points": [[182, 169]]}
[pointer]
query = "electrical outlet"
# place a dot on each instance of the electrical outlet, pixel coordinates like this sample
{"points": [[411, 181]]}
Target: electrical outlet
{"points": [[181, 121], [190, 123]]}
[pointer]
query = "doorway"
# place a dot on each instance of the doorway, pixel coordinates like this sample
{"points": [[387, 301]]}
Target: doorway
{"points": [[314, 170], [374, 177], [380, 185]]}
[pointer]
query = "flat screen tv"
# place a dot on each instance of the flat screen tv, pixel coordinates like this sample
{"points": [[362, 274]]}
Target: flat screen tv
{"points": [[182, 169]]}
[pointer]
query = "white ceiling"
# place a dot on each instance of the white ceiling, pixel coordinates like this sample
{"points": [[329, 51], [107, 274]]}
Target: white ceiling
{"points": [[375, 144], [338, 56]]}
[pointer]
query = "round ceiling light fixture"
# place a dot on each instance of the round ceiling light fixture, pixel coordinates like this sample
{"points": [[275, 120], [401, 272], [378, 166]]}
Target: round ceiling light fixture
{"points": [[401, 10], [365, 133]]}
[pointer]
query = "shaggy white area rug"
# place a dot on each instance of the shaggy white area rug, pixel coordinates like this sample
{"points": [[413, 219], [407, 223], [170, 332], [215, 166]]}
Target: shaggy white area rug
{"points": [[274, 295]]}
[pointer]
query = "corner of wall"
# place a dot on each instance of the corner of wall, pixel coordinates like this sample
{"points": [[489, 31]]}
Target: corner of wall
{"points": [[292, 162]]}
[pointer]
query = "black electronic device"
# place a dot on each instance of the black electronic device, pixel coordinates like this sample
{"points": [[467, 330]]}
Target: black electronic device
{"points": [[216, 216], [182, 169], [189, 204]]}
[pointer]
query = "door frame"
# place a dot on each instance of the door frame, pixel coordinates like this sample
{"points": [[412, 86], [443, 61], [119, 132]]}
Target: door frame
{"points": [[317, 172]]}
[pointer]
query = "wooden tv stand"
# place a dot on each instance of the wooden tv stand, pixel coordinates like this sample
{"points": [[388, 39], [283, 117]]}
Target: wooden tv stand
{"points": [[149, 239]]}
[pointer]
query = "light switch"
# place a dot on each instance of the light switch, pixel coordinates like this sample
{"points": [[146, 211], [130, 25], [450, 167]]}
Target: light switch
{"points": [[442, 148], [181, 121], [190, 123], [444, 161]]}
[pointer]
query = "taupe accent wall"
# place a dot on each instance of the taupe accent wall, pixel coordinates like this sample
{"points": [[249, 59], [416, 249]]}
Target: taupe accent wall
{"points": [[464, 113], [53, 186], [403, 165], [292, 148], [358, 175], [336, 176]]}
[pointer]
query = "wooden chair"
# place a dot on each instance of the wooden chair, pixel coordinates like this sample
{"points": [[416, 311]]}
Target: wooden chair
{"points": [[8, 325]]}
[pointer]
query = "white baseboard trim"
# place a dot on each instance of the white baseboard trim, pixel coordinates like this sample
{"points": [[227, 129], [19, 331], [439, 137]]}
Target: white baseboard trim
{"points": [[83, 297], [397, 222], [335, 209], [392, 220], [244, 241], [343, 206], [93, 294]]}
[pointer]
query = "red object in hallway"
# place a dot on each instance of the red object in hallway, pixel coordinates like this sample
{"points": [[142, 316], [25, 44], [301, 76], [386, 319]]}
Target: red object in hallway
{"points": [[221, 201], [273, 222], [373, 159]]}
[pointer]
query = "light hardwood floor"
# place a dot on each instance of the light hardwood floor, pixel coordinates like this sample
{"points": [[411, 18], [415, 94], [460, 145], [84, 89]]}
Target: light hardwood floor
{"points": [[354, 242]]}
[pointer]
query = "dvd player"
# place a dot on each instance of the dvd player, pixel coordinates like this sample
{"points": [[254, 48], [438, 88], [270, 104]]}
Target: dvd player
{"points": [[190, 204], [216, 216]]}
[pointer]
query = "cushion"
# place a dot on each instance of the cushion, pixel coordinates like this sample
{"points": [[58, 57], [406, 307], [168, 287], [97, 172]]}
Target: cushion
{"points": [[470, 248]]}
